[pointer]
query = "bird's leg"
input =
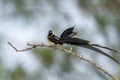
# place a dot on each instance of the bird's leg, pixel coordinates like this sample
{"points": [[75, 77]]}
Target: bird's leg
{"points": [[53, 45], [71, 48]]}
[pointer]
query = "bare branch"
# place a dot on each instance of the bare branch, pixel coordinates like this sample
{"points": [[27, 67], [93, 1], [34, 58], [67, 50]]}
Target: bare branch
{"points": [[26, 49], [32, 46]]}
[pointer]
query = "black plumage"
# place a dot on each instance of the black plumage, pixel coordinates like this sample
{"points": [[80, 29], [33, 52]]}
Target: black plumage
{"points": [[67, 38]]}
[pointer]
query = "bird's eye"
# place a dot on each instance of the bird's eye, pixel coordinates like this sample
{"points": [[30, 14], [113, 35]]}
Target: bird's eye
{"points": [[50, 32]]}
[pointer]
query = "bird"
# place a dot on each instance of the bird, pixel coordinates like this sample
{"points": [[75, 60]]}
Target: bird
{"points": [[67, 37], [53, 40]]}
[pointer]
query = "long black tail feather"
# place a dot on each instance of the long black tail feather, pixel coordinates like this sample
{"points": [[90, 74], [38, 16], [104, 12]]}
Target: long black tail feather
{"points": [[105, 48], [99, 51]]}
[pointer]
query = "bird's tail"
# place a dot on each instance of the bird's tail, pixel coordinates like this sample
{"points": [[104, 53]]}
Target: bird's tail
{"points": [[99, 51], [96, 45]]}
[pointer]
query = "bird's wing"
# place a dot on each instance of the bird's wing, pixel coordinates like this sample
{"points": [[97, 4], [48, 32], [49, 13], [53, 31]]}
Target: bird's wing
{"points": [[68, 32], [74, 41], [72, 34]]}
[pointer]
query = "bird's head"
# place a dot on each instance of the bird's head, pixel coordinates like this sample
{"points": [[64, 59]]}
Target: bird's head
{"points": [[50, 33]]}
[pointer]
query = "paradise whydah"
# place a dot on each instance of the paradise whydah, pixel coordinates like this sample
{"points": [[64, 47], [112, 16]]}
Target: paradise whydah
{"points": [[67, 37]]}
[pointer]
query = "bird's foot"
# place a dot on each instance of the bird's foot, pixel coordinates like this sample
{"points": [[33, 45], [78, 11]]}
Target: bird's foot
{"points": [[71, 49]]}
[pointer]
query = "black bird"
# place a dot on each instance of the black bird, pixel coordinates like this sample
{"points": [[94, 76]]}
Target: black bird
{"points": [[67, 38], [53, 39], [56, 40]]}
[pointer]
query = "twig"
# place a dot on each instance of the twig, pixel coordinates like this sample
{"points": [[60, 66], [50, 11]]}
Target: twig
{"points": [[26, 49], [32, 46]]}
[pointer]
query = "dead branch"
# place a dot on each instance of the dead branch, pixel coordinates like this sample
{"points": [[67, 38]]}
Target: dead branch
{"points": [[32, 46]]}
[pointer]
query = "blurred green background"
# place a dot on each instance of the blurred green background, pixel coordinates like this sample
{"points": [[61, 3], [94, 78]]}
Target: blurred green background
{"points": [[23, 21]]}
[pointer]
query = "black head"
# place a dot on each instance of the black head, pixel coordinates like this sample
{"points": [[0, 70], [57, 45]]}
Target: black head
{"points": [[50, 32]]}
